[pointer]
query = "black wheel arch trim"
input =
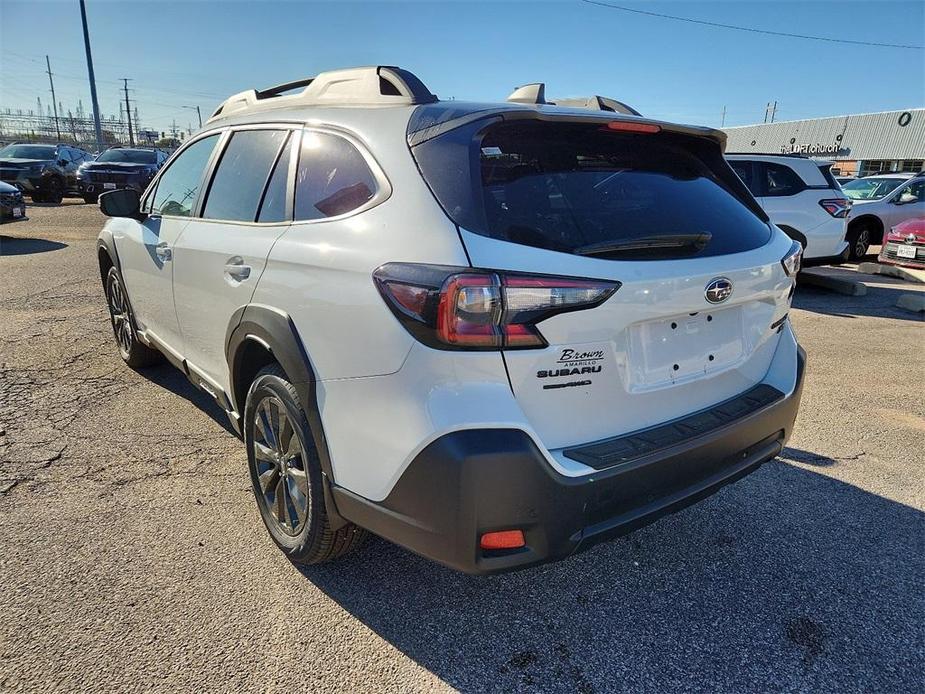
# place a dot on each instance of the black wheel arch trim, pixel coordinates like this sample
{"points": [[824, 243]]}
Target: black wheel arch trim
{"points": [[793, 233], [276, 332]]}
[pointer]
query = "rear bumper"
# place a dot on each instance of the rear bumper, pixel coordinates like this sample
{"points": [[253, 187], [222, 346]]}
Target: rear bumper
{"points": [[474, 481]]}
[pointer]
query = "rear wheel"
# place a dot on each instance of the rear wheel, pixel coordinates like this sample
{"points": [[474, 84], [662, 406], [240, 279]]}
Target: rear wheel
{"points": [[37, 197], [858, 242], [286, 473], [133, 352]]}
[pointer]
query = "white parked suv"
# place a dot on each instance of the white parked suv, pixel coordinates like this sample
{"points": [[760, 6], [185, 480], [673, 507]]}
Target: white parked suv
{"points": [[880, 203], [801, 197], [493, 333]]}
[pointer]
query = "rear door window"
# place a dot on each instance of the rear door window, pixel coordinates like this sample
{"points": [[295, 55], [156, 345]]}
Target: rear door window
{"points": [[242, 174], [781, 180], [585, 189], [333, 177], [746, 171], [273, 207]]}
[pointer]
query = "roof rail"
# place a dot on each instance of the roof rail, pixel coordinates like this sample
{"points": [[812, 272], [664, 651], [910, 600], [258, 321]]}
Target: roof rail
{"points": [[359, 86], [793, 155]]}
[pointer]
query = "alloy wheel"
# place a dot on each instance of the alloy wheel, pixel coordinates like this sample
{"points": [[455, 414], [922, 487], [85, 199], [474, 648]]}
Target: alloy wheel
{"points": [[280, 465], [121, 317], [862, 243]]}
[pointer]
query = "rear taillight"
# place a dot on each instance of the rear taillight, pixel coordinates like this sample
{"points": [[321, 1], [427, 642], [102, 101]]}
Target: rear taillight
{"points": [[793, 259], [460, 308], [837, 207]]}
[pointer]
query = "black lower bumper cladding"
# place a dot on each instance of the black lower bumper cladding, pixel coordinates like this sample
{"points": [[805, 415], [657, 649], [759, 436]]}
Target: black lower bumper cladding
{"points": [[471, 482]]}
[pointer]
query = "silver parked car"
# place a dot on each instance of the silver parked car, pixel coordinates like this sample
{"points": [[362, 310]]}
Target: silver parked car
{"points": [[880, 203]]}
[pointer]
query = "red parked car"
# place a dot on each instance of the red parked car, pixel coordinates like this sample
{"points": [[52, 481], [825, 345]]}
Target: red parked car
{"points": [[905, 244]]}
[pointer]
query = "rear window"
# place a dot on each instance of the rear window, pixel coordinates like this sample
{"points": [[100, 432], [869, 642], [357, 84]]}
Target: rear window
{"points": [[581, 188]]}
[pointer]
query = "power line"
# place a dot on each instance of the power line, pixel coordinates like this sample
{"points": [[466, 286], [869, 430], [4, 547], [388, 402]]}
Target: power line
{"points": [[751, 29]]}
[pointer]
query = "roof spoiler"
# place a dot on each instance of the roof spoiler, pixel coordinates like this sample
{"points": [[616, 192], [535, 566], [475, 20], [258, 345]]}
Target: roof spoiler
{"points": [[535, 93], [382, 85]]}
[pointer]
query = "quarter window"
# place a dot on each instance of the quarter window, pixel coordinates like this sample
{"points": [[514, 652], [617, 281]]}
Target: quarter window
{"points": [[781, 180], [178, 188], [242, 174], [333, 177]]}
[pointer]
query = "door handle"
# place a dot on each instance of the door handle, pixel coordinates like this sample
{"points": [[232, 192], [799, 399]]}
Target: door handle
{"points": [[163, 252], [237, 270]]}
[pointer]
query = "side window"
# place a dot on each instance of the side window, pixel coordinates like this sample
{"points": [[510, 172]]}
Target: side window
{"points": [[916, 188], [332, 177], [273, 207], [64, 154], [781, 180], [746, 171], [242, 174], [178, 187]]}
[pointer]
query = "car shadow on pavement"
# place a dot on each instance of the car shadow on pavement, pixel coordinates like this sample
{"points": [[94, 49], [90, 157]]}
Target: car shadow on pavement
{"points": [[879, 302], [170, 378], [11, 245], [787, 580]]}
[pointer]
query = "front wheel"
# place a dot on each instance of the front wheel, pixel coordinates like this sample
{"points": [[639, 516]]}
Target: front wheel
{"points": [[858, 243], [133, 352], [286, 473], [55, 192]]}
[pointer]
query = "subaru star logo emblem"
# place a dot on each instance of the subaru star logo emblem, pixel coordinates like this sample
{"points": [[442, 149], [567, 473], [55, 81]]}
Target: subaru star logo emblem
{"points": [[718, 290]]}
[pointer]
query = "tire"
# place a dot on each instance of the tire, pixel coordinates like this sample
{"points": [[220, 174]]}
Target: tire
{"points": [[858, 243], [133, 352], [55, 192], [291, 503], [37, 197], [90, 198]]}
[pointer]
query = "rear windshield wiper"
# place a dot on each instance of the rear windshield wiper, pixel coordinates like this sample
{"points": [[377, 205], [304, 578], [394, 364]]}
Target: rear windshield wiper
{"points": [[660, 243]]}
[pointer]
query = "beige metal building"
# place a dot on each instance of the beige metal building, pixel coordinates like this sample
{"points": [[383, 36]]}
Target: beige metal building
{"points": [[860, 144]]}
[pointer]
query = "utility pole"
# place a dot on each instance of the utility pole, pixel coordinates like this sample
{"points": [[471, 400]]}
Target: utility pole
{"points": [[96, 104], [128, 114], [198, 113], [53, 101], [724, 117], [767, 108], [773, 111]]}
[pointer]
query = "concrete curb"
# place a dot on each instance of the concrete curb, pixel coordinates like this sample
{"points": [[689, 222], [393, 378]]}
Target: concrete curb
{"points": [[836, 284], [912, 302], [903, 273]]}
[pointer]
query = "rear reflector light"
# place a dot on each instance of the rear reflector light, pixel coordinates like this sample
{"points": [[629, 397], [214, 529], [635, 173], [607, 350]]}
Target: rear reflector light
{"points": [[504, 539], [837, 207], [460, 308], [631, 127]]}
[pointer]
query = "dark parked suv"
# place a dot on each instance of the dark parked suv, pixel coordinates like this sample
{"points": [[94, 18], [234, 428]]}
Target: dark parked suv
{"points": [[44, 172], [119, 167]]}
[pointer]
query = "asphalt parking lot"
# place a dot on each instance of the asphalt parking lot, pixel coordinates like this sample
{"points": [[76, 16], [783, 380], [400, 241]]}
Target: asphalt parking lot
{"points": [[132, 555]]}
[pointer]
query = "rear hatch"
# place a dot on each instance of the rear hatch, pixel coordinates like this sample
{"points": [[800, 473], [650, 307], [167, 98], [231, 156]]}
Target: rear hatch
{"points": [[701, 291]]}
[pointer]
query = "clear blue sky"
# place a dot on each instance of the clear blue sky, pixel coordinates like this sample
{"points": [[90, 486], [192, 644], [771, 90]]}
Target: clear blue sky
{"points": [[189, 53]]}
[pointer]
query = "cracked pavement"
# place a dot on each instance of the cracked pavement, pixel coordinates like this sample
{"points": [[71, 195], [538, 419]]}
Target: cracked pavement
{"points": [[132, 556]]}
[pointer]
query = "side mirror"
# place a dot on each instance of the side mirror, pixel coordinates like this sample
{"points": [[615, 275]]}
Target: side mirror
{"points": [[906, 198], [124, 202]]}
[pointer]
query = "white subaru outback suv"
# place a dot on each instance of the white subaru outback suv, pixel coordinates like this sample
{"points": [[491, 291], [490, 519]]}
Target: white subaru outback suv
{"points": [[492, 333], [801, 197]]}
